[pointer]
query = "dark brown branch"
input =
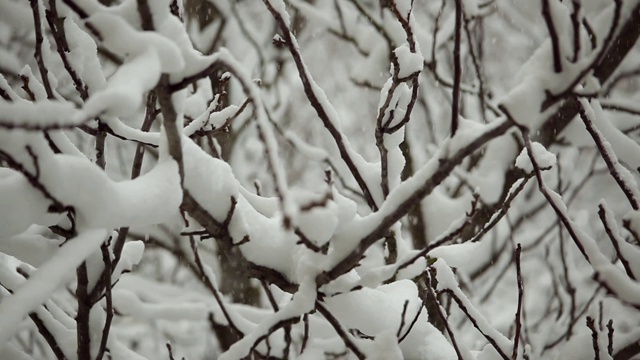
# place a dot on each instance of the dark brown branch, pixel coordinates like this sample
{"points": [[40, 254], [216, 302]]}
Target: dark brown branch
{"points": [[457, 69], [56, 24], [570, 288], [594, 337], [310, 244], [44, 72], [620, 108], [47, 336], [285, 323], [610, 331], [403, 316], [411, 325], [553, 34], [305, 335], [106, 278], [615, 240], [475, 59], [575, 22], [520, 282], [170, 350], [83, 333], [170, 122], [146, 18]]}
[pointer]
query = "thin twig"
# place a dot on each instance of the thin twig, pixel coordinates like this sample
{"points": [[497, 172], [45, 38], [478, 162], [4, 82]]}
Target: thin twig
{"points": [[516, 339], [44, 72], [553, 34], [457, 69], [594, 337]]}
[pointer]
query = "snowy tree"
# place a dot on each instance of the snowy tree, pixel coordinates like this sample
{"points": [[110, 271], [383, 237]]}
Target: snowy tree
{"points": [[319, 179]]}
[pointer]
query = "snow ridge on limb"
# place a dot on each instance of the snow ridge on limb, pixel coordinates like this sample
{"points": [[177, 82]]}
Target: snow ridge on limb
{"points": [[46, 280], [447, 283]]}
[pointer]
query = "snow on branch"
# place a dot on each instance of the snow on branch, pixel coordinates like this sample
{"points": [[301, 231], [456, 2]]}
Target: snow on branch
{"points": [[292, 179]]}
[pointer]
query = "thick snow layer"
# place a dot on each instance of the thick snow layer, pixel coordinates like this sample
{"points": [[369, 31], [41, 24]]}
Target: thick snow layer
{"points": [[409, 62], [270, 245], [442, 212], [56, 271], [83, 56], [544, 158], [11, 352], [149, 199], [39, 114], [146, 54], [385, 347], [123, 94], [33, 249], [130, 256], [488, 177], [354, 310], [302, 302], [20, 204], [319, 224], [466, 257], [209, 180]]}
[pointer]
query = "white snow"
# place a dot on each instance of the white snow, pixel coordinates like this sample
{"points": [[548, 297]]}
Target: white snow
{"points": [[149, 199], [303, 301], [544, 158], [39, 114], [470, 7], [409, 62], [280, 8], [83, 56], [56, 271], [354, 310], [20, 204], [209, 180], [33, 249]]}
